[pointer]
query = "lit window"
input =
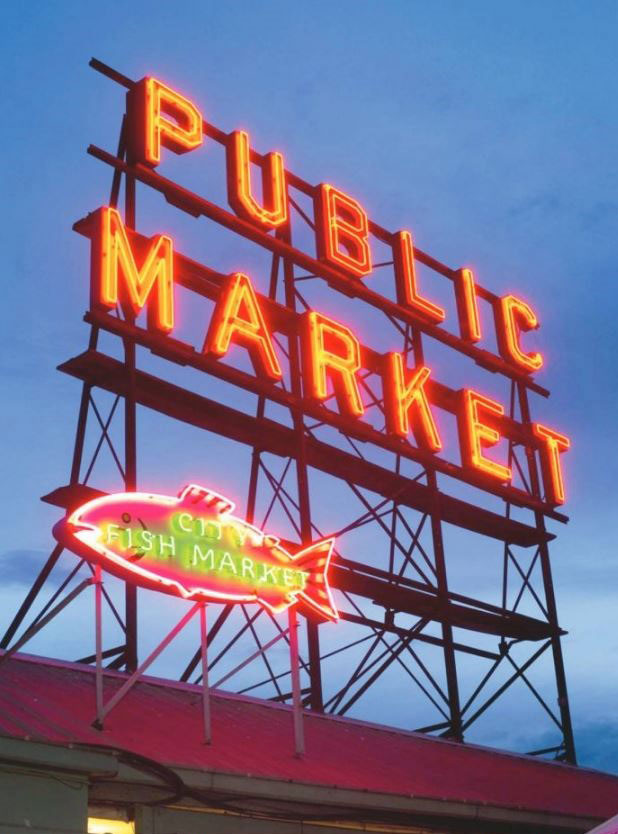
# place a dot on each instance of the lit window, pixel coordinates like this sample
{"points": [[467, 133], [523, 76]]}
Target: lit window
{"points": [[98, 825]]}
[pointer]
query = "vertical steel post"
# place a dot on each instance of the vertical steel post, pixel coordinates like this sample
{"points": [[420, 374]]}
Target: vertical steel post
{"points": [[80, 432], [297, 707], [550, 597], [205, 687], [98, 617], [130, 449], [505, 553], [450, 663], [256, 454], [316, 700]]}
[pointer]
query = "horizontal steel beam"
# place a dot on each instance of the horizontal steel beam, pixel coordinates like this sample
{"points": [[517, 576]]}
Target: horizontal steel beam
{"points": [[388, 628], [405, 600]]}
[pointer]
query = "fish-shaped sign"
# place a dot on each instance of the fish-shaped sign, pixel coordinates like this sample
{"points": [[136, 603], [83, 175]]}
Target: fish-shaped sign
{"points": [[193, 547]]}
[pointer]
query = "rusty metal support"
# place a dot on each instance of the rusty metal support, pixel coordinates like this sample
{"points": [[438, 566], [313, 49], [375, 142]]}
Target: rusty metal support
{"points": [[130, 446], [206, 715], [302, 477], [550, 598], [137, 674]]}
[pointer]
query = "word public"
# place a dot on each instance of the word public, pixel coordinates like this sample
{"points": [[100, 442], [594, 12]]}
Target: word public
{"points": [[159, 117]]}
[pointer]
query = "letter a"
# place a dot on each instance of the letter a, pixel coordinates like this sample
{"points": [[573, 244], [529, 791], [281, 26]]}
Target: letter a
{"points": [[238, 316]]}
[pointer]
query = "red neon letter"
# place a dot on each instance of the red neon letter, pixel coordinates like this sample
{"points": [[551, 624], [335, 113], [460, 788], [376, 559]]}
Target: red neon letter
{"points": [[467, 306], [274, 212], [330, 347], [399, 397], [238, 315], [512, 316], [475, 435], [342, 231], [150, 104], [405, 277], [552, 445], [113, 254]]}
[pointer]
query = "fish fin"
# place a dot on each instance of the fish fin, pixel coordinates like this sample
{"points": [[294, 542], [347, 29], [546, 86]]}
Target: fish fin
{"points": [[194, 494], [273, 601], [314, 560]]}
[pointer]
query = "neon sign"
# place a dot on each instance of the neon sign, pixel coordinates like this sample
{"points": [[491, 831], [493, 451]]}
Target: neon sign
{"points": [[140, 274], [193, 547], [159, 116], [168, 117], [145, 272], [239, 184], [322, 385]]}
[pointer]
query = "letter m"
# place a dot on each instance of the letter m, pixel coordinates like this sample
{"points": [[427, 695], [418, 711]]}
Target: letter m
{"points": [[118, 278]]}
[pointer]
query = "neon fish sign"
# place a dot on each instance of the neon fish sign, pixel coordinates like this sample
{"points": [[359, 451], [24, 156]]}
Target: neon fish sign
{"points": [[194, 548]]}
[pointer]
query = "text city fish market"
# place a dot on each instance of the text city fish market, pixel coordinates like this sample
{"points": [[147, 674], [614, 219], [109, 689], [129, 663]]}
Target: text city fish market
{"points": [[200, 547], [160, 117]]}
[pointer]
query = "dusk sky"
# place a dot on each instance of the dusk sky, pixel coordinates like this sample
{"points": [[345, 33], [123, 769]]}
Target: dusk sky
{"points": [[486, 128]]}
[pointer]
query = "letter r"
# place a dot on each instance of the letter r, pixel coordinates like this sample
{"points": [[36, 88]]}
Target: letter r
{"points": [[329, 349]]}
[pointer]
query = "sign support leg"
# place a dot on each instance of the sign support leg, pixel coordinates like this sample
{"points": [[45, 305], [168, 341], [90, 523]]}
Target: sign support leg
{"points": [[98, 594], [297, 707], [550, 599], [455, 730], [316, 700], [205, 686], [154, 654], [130, 441]]}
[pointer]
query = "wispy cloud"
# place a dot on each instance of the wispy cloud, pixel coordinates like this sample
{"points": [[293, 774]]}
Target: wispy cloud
{"points": [[597, 745], [21, 567]]}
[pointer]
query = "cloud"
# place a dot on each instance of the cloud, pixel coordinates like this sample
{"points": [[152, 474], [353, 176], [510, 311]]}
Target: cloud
{"points": [[597, 745], [21, 567]]}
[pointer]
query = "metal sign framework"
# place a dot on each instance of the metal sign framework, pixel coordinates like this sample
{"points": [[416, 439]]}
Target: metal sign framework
{"points": [[399, 494]]}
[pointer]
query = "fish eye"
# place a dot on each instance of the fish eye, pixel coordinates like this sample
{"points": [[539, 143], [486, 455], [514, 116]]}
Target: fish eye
{"points": [[126, 518]]}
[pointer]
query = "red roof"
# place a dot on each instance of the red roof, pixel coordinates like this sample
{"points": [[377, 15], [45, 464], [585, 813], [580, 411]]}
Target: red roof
{"points": [[55, 702]]}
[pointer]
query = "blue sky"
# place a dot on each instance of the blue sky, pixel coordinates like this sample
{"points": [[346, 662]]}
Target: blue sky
{"points": [[486, 128]]}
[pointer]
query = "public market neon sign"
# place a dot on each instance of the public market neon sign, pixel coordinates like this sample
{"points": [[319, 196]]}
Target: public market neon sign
{"points": [[141, 274], [193, 547]]}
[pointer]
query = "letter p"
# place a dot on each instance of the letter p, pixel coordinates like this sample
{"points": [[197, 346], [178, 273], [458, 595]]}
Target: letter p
{"points": [[158, 115]]}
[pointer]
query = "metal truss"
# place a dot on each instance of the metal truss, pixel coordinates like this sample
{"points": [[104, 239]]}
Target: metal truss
{"points": [[403, 621]]}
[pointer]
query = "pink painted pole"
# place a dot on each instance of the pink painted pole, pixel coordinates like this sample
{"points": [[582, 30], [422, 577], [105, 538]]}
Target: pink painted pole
{"points": [[98, 608], [297, 707], [205, 687]]}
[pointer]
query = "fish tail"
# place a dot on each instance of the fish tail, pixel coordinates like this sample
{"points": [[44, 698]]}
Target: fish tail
{"points": [[314, 560]]}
